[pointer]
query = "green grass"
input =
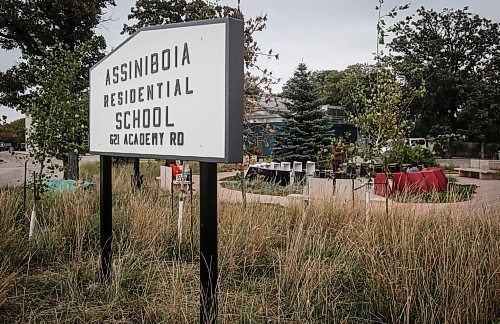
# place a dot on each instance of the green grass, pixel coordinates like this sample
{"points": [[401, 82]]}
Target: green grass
{"points": [[261, 187], [455, 192], [221, 167], [451, 179], [448, 169]]}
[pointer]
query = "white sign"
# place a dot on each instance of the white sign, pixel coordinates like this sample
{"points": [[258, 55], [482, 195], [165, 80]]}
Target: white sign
{"points": [[173, 91]]}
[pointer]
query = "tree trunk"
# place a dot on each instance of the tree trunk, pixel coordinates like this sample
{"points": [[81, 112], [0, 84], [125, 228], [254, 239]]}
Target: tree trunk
{"points": [[73, 167], [448, 153], [65, 167], [137, 178], [482, 150]]}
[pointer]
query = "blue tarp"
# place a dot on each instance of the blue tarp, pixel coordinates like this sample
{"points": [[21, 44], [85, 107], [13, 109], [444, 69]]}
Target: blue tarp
{"points": [[60, 185]]}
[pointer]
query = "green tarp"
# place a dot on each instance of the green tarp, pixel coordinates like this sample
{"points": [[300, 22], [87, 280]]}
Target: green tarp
{"points": [[59, 185]]}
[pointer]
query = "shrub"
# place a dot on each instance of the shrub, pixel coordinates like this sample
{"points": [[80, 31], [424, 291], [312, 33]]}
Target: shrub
{"points": [[414, 155]]}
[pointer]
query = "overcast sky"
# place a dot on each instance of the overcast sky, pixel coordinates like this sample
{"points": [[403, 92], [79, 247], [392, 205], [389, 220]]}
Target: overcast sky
{"points": [[324, 34]]}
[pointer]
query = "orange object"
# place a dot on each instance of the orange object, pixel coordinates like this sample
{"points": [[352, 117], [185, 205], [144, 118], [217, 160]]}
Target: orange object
{"points": [[175, 170]]}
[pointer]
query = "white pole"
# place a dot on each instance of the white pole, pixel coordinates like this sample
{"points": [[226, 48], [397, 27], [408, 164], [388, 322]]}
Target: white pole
{"points": [[179, 220], [367, 204], [181, 206], [32, 223]]}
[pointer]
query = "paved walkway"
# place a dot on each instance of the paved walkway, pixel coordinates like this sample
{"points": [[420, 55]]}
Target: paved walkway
{"points": [[488, 191], [487, 195], [12, 169]]}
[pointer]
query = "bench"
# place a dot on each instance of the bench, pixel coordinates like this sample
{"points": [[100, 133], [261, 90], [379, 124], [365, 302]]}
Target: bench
{"points": [[475, 173]]}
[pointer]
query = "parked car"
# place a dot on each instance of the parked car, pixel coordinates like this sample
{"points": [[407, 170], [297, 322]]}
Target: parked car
{"points": [[422, 142], [21, 147], [5, 146], [414, 141]]}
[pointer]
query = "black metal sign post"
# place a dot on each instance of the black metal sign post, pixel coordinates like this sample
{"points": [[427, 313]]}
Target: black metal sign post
{"points": [[208, 242], [137, 178], [106, 216], [25, 187], [223, 105]]}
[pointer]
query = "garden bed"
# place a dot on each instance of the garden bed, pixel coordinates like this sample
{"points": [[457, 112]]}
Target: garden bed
{"points": [[455, 192], [261, 187]]}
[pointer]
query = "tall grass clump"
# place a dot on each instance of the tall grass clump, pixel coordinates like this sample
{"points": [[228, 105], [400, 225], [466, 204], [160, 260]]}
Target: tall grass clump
{"points": [[322, 263]]}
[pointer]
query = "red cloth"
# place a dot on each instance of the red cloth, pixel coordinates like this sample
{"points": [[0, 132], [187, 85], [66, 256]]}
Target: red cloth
{"points": [[381, 187], [399, 182], [441, 177], [416, 182], [431, 180]]}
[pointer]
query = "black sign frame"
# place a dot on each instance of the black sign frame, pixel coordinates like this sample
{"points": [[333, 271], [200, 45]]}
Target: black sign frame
{"points": [[208, 170], [234, 78]]}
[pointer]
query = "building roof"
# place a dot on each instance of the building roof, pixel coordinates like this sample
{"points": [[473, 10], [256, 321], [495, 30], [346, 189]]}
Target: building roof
{"points": [[335, 114], [267, 111], [271, 110]]}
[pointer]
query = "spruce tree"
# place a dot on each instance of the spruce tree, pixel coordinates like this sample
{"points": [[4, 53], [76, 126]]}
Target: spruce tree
{"points": [[306, 130]]}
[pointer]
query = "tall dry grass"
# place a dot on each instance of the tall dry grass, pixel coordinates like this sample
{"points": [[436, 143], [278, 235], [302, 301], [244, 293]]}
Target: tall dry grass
{"points": [[319, 264]]}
